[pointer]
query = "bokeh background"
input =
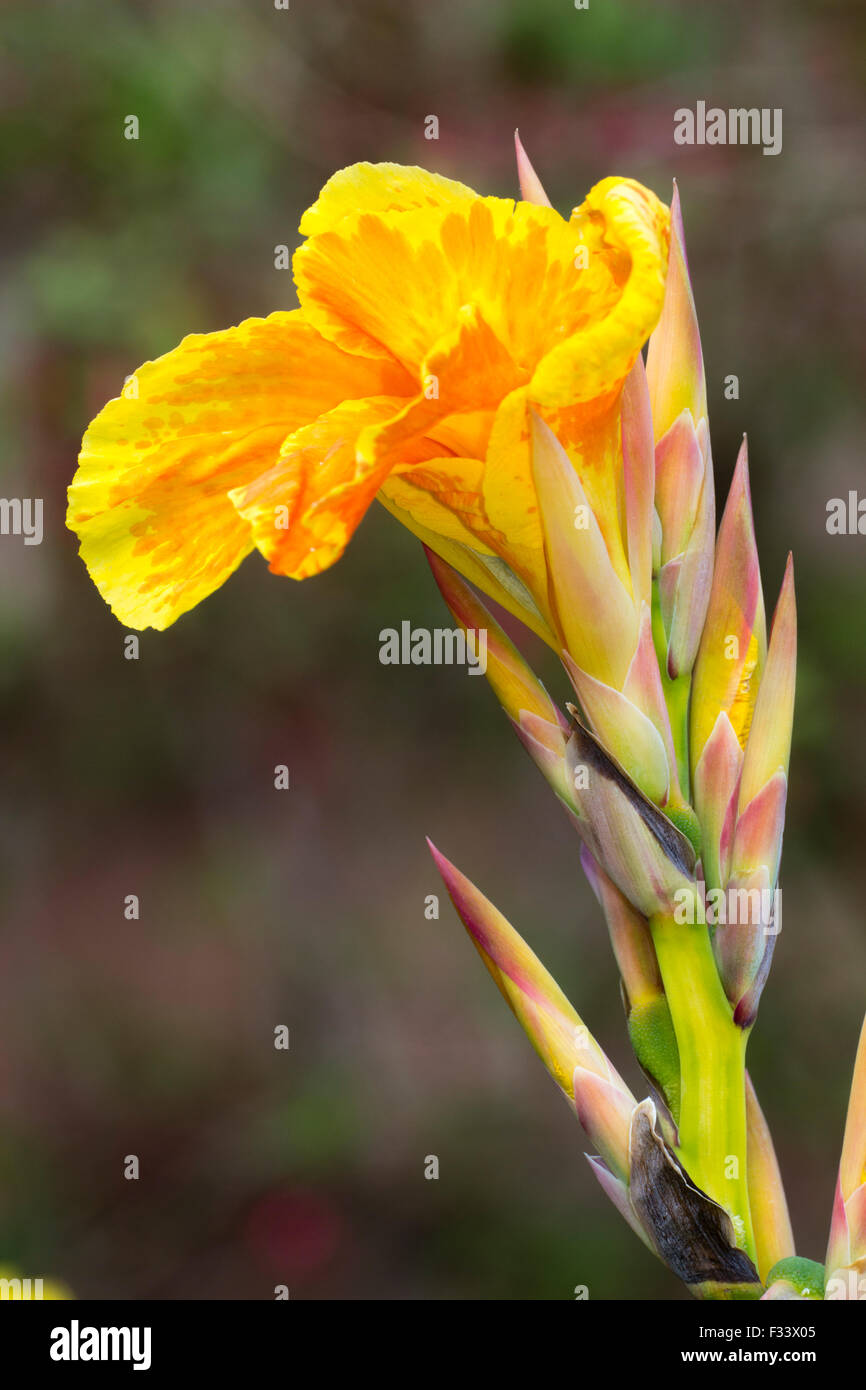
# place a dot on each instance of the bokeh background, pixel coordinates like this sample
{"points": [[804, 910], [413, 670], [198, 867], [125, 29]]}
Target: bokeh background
{"points": [[155, 777]]}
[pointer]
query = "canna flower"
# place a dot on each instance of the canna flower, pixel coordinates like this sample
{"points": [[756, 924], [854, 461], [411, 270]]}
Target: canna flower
{"points": [[432, 320], [476, 365]]}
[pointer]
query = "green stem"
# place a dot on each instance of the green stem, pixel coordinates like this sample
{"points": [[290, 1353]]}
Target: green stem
{"points": [[677, 694], [712, 1048]]}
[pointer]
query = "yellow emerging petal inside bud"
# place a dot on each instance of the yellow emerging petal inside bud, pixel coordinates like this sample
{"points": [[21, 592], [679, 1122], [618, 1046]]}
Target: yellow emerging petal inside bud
{"points": [[743, 705]]}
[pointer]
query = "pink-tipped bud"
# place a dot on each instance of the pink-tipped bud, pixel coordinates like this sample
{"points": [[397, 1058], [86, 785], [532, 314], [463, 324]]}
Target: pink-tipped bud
{"points": [[531, 190], [569, 1051], [733, 646], [675, 364]]}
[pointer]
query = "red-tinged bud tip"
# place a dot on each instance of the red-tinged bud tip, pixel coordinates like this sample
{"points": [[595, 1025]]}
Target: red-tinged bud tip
{"points": [[531, 189]]}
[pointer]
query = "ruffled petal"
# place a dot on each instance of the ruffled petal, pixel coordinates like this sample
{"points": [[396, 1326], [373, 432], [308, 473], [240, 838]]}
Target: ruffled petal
{"points": [[398, 280], [304, 510], [380, 188], [149, 500], [626, 231]]}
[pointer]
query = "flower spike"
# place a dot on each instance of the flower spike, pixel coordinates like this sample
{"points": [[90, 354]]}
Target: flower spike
{"points": [[476, 365]]}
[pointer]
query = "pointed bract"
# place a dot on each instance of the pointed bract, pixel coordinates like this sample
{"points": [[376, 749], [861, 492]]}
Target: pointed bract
{"points": [[774, 1239], [740, 940], [649, 860], [686, 506], [852, 1169], [769, 745], [626, 733], [757, 840], [617, 1191], [545, 743], [733, 647], [675, 364], [638, 464], [604, 1108], [572, 1056], [596, 614], [716, 785], [629, 935], [516, 686], [643, 686], [679, 481], [531, 190]]}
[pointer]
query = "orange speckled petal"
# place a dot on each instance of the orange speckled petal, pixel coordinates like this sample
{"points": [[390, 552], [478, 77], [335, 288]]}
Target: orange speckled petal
{"points": [[399, 279], [305, 509], [149, 501], [443, 495]]}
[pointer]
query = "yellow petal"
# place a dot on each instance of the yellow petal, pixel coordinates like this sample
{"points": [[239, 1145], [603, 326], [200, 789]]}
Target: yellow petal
{"points": [[149, 500], [380, 188], [443, 495], [304, 510], [590, 436], [486, 571], [399, 279], [509, 488], [625, 230], [468, 369]]}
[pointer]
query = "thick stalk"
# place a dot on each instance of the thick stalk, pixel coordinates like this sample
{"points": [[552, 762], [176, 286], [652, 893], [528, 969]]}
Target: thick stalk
{"points": [[712, 1118], [676, 692]]}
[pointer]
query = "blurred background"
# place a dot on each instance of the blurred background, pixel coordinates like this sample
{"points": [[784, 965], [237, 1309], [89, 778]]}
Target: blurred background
{"points": [[155, 777]]}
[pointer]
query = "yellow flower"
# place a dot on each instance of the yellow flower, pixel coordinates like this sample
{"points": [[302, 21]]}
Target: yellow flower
{"points": [[431, 319]]}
